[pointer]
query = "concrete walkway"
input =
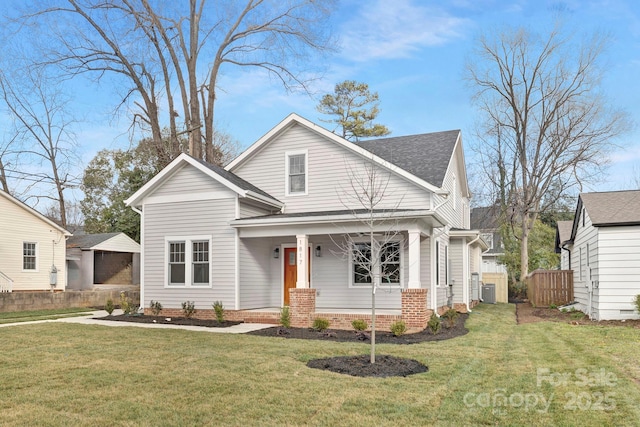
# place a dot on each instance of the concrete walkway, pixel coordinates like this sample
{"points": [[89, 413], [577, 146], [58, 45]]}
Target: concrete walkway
{"points": [[89, 320]]}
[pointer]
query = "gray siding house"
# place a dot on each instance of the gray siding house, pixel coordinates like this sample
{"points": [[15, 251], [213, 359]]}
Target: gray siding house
{"points": [[602, 247], [266, 231]]}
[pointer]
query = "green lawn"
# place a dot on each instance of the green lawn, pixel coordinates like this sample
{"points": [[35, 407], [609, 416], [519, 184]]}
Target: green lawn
{"points": [[66, 374], [29, 316]]}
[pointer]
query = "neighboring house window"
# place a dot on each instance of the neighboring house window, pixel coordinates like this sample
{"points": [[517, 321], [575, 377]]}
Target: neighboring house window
{"points": [[580, 265], [488, 238], [188, 261], [296, 173], [29, 256], [389, 265]]}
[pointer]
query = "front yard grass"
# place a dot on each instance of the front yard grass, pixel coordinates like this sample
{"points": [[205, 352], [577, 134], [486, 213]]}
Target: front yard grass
{"points": [[67, 374], [29, 316]]}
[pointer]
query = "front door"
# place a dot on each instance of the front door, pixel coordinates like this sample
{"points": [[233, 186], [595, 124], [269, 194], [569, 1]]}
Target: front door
{"points": [[291, 270]]}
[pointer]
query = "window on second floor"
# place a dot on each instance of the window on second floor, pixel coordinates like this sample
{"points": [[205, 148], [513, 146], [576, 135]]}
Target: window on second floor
{"points": [[296, 173], [488, 238]]}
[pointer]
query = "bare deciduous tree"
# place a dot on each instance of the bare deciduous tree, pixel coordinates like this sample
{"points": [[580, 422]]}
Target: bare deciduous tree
{"points": [[375, 251], [546, 126], [152, 47], [43, 128]]}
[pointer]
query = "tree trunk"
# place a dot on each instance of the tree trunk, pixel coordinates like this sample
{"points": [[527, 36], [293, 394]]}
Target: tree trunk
{"points": [[3, 178], [524, 248]]}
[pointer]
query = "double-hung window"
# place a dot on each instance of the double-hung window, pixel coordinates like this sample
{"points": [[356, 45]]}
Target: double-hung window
{"points": [[296, 173], [389, 265], [188, 261], [29, 256]]}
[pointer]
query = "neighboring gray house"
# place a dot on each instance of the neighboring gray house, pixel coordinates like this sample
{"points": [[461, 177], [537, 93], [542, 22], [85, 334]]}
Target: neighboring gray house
{"points": [[102, 259], [261, 233], [485, 219], [603, 250]]}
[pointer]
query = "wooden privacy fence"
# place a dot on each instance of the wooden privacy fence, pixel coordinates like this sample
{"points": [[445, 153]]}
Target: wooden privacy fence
{"points": [[546, 287]]}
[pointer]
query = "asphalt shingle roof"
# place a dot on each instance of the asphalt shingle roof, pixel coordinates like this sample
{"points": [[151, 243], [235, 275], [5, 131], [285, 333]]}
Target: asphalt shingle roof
{"points": [[485, 218], [235, 179], [564, 230], [86, 241], [613, 207], [426, 155]]}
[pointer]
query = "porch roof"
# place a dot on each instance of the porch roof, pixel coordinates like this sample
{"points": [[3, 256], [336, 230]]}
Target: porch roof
{"points": [[325, 222]]}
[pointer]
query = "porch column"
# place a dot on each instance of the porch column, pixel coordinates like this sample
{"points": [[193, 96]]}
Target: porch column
{"points": [[303, 261], [414, 259]]}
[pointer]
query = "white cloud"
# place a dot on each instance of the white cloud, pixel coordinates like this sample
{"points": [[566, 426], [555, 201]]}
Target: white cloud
{"points": [[398, 29]]}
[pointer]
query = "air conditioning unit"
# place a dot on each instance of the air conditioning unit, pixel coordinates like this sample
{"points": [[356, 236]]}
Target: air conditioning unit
{"points": [[489, 293]]}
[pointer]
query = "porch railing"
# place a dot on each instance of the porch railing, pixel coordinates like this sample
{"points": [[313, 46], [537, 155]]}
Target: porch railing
{"points": [[6, 284]]}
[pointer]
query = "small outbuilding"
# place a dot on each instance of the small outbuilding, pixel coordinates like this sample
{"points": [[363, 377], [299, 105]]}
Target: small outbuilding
{"points": [[102, 259]]}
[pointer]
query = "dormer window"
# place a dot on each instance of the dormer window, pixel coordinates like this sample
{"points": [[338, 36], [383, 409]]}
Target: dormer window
{"points": [[296, 173]]}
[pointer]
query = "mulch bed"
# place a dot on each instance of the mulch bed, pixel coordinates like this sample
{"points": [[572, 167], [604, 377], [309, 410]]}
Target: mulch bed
{"points": [[360, 366], [381, 337], [526, 313], [163, 320]]}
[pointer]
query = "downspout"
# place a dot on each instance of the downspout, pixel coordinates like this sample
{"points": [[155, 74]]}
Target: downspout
{"points": [[465, 289]]}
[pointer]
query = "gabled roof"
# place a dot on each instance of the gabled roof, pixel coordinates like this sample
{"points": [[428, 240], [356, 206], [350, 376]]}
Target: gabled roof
{"points": [[224, 177], [416, 174], [426, 155], [563, 234], [485, 217], [613, 207], [34, 213], [114, 242]]}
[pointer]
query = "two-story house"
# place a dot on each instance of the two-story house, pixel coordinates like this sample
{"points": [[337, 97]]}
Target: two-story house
{"points": [[270, 229]]}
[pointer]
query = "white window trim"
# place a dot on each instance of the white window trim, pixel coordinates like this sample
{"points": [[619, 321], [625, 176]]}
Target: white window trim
{"points": [[288, 154], [37, 269], [188, 261], [399, 285]]}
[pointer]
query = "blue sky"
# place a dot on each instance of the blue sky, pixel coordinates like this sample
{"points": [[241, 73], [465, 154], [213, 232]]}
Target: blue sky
{"points": [[412, 53]]}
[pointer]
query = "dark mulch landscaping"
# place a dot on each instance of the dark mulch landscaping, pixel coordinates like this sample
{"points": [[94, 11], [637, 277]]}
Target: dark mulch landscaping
{"points": [[381, 337], [163, 320], [360, 366]]}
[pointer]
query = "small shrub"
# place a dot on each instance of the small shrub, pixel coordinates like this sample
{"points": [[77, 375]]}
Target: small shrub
{"points": [[285, 317], [126, 304], [398, 328], [219, 310], [451, 316], [553, 306], [189, 309], [320, 324], [109, 306], [359, 325], [564, 310], [156, 307], [434, 324], [636, 302]]}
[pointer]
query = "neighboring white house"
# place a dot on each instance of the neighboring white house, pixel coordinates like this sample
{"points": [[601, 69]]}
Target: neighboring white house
{"points": [[240, 234], [603, 250], [31, 246], [485, 219]]}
